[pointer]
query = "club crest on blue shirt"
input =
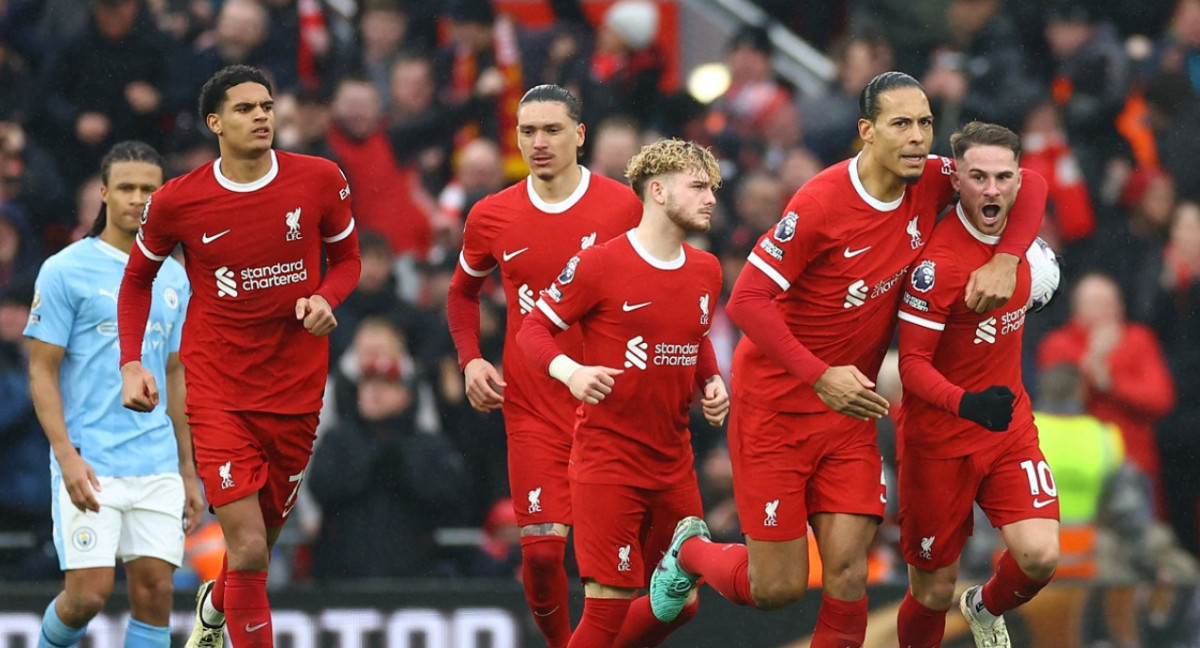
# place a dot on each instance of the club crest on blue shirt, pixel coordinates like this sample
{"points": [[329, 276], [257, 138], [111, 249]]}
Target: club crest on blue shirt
{"points": [[786, 228], [922, 277], [568, 273]]}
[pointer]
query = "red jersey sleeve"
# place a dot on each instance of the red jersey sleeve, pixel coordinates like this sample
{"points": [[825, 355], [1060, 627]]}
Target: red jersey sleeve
{"points": [[478, 233], [154, 241], [706, 362], [576, 290], [341, 242], [932, 288], [778, 259], [1025, 218]]}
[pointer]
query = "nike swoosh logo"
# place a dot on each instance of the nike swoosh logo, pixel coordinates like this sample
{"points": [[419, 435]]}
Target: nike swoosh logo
{"points": [[539, 614], [508, 256], [850, 255], [1037, 503], [632, 307], [206, 239], [250, 628]]}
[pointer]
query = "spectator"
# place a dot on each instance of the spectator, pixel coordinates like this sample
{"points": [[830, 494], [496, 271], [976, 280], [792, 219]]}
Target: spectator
{"points": [[980, 73], [108, 83], [30, 181], [383, 485], [614, 143], [307, 120], [477, 173], [830, 120], [1090, 83], [626, 65], [376, 297], [1173, 113], [24, 471], [500, 551], [1122, 365], [1172, 289], [1135, 234], [1045, 149], [388, 196], [381, 29], [756, 101], [20, 254]]}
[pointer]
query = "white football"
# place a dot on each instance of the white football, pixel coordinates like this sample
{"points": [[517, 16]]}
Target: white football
{"points": [[1044, 274]]}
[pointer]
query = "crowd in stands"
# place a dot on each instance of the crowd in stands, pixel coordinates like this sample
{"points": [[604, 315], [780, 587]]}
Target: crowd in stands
{"points": [[416, 102]]}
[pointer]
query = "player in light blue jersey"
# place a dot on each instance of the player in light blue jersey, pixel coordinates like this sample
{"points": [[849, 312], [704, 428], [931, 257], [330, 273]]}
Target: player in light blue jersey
{"points": [[124, 485]]}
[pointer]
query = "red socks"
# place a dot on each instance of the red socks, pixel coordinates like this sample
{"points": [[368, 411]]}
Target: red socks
{"points": [[217, 596], [918, 626], [725, 567], [643, 630], [545, 582], [840, 624], [1009, 587], [602, 620], [247, 611]]}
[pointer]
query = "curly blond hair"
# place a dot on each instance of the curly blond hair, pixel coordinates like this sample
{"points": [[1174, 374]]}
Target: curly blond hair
{"points": [[670, 156]]}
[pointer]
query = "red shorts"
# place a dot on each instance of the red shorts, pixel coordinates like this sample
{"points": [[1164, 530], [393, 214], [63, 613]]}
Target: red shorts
{"points": [[240, 453], [538, 455], [621, 532], [1010, 482], [787, 466]]}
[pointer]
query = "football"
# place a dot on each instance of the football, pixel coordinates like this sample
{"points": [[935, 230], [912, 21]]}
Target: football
{"points": [[1044, 274]]}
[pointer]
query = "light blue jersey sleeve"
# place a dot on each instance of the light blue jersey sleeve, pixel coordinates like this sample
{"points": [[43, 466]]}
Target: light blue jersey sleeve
{"points": [[52, 313]]}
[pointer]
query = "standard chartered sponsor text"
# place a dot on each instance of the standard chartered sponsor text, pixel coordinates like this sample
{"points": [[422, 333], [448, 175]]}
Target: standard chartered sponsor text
{"points": [[675, 355], [279, 274]]}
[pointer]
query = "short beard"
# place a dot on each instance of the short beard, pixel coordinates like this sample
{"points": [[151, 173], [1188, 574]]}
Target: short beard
{"points": [[673, 214]]}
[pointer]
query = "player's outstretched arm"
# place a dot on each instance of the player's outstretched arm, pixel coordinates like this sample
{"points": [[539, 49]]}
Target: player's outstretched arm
{"points": [[317, 315], [484, 385], [193, 503], [139, 390], [992, 284], [847, 390], [78, 477], [715, 402]]}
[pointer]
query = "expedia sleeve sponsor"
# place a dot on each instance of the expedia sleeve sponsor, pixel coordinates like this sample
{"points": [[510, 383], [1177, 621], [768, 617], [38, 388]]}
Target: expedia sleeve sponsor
{"points": [[916, 302], [280, 274], [770, 248]]}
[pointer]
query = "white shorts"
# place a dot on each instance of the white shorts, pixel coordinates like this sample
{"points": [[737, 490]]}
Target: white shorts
{"points": [[139, 517]]}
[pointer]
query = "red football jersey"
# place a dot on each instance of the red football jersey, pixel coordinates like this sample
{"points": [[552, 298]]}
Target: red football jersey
{"points": [[531, 240], [839, 255], [647, 317], [251, 250], [965, 350]]}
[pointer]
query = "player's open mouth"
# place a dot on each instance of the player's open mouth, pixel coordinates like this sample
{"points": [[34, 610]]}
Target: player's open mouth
{"points": [[913, 160], [262, 132], [542, 159], [991, 213]]}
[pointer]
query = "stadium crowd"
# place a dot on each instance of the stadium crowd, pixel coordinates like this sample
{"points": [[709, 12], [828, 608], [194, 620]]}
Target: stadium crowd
{"points": [[416, 102]]}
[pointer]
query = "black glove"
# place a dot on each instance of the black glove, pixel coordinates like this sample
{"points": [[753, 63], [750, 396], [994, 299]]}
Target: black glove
{"points": [[992, 408]]}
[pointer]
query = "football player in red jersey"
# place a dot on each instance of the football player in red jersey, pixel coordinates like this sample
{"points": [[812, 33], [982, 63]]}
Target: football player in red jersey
{"points": [[967, 434], [644, 303], [252, 224], [529, 231], [818, 304]]}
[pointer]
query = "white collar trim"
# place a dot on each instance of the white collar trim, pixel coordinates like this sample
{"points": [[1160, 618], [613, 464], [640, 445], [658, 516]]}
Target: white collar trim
{"points": [[862, 191], [247, 187], [110, 250], [979, 236], [673, 264], [585, 178]]}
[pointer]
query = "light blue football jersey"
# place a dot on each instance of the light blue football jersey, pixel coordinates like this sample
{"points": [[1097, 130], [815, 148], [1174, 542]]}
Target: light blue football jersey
{"points": [[75, 307]]}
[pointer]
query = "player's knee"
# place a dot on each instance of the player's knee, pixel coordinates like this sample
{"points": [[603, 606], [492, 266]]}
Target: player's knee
{"points": [[247, 553], [934, 595], [544, 557], [776, 593], [151, 599], [1039, 563], [82, 606]]}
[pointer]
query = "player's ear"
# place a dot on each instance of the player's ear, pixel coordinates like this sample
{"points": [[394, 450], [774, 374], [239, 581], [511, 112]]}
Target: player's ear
{"points": [[580, 134], [954, 183], [214, 123], [866, 130]]}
